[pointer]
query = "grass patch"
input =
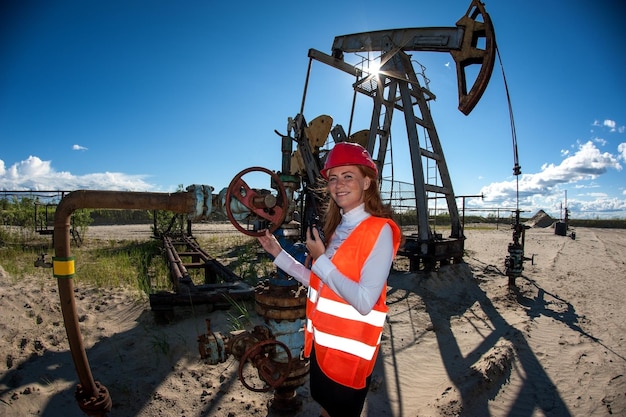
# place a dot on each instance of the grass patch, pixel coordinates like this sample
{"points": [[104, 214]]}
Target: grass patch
{"points": [[18, 253], [102, 264], [137, 265], [131, 264]]}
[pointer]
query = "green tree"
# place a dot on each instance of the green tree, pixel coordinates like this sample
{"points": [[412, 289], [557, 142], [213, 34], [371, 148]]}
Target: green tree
{"points": [[81, 219]]}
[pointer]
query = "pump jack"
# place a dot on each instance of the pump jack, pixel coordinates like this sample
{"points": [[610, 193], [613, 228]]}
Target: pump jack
{"points": [[395, 86]]}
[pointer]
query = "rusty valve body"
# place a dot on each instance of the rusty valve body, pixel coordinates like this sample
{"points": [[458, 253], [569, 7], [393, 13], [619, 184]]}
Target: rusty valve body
{"points": [[259, 347], [212, 346]]}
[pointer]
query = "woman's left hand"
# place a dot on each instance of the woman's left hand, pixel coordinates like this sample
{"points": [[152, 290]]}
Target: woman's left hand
{"points": [[314, 243]]}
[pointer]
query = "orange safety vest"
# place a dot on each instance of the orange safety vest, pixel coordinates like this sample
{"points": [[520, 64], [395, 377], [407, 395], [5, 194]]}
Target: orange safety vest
{"points": [[346, 342]]}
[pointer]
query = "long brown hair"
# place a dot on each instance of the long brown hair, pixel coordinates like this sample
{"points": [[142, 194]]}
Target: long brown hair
{"points": [[373, 203]]}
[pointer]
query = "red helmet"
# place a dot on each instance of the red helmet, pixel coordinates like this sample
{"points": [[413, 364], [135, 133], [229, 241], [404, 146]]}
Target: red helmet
{"points": [[348, 153]]}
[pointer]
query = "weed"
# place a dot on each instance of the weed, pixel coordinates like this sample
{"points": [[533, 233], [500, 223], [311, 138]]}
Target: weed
{"points": [[48, 383], [241, 318], [160, 345]]}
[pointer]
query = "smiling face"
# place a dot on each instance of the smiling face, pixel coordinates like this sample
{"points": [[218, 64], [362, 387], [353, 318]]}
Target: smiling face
{"points": [[346, 185]]}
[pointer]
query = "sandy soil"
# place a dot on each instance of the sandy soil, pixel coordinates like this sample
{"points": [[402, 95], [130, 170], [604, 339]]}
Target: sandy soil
{"points": [[458, 341]]}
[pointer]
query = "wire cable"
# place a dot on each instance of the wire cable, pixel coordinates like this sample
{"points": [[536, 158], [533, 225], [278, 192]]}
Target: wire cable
{"points": [[517, 169]]}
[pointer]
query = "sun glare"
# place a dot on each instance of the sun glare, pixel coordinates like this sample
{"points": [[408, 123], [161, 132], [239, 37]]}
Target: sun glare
{"points": [[373, 67]]}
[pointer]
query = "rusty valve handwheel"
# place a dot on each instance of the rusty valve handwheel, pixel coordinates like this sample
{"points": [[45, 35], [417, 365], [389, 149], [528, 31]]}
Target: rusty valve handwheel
{"points": [[271, 372], [265, 206]]}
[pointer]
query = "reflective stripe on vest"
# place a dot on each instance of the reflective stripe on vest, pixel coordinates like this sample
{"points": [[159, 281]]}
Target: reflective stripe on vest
{"points": [[345, 345], [346, 311]]}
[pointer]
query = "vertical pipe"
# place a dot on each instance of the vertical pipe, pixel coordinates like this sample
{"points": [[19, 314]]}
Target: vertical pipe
{"points": [[94, 398]]}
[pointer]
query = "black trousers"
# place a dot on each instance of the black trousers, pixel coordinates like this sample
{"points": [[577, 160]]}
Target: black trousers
{"points": [[338, 400]]}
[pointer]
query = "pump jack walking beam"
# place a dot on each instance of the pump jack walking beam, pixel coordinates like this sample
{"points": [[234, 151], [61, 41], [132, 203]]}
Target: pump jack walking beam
{"points": [[471, 42]]}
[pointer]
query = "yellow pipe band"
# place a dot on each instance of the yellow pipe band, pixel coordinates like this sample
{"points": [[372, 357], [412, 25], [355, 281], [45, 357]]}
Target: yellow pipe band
{"points": [[63, 267]]}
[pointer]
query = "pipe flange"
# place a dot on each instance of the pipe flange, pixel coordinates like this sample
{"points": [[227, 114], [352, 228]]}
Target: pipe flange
{"points": [[95, 404]]}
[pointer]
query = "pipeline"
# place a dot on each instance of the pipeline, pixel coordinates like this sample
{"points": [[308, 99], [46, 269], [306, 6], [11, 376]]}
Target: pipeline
{"points": [[92, 397], [186, 291]]}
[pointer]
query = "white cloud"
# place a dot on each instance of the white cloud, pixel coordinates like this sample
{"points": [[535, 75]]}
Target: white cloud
{"points": [[611, 125], [597, 195], [78, 148], [545, 188], [621, 148], [601, 141], [586, 163], [32, 167], [607, 206], [35, 174]]}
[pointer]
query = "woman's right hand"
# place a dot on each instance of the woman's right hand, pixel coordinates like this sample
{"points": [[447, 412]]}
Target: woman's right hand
{"points": [[314, 243], [270, 243]]}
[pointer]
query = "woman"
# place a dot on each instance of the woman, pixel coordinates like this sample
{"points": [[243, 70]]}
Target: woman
{"points": [[346, 308]]}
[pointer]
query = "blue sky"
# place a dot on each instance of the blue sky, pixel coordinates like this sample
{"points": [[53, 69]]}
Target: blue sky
{"points": [[147, 95]]}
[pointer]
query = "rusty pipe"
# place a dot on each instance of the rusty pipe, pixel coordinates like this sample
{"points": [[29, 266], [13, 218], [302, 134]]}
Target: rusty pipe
{"points": [[177, 268], [92, 397]]}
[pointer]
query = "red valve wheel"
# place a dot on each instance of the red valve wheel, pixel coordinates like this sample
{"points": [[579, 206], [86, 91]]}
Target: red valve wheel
{"points": [[268, 207], [271, 372]]}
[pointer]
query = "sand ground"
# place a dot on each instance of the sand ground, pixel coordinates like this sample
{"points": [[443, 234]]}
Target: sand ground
{"points": [[458, 342]]}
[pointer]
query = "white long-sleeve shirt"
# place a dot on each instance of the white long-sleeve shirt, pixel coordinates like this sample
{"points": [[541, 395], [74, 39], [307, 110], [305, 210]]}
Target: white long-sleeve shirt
{"points": [[361, 295]]}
